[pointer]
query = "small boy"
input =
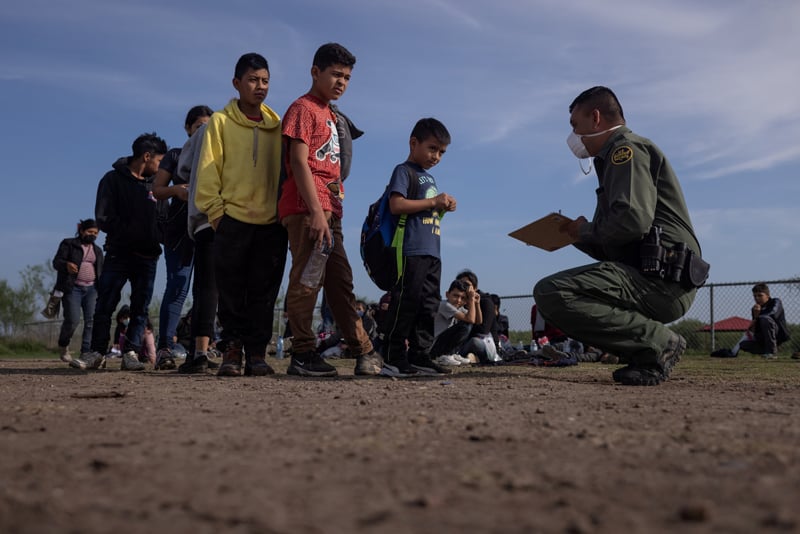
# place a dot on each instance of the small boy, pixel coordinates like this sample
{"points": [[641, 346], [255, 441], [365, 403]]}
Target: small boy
{"points": [[237, 188], [415, 298], [311, 210], [454, 319]]}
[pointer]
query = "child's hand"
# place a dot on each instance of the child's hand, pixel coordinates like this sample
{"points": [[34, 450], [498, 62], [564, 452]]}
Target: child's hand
{"points": [[444, 202]]}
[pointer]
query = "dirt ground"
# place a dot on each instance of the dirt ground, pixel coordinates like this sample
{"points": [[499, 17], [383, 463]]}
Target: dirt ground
{"points": [[488, 449]]}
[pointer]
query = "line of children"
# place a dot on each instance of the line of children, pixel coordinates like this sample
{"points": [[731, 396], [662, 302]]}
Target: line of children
{"points": [[254, 218]]}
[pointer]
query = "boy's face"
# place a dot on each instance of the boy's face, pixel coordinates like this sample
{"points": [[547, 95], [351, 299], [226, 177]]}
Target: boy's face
{"points": [[760, 297], [331, 83], [426, 153], [151, 163], [196, 125], [253, 86], [456, 297]]}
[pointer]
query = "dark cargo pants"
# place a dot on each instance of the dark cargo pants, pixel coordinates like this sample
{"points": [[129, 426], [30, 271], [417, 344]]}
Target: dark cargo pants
{"points": [[614, 307]]}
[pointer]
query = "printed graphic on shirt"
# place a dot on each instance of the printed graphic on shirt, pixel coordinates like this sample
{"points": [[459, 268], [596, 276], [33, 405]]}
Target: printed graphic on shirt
{"points": [[622, 155], [331, 148], [430, 192]]}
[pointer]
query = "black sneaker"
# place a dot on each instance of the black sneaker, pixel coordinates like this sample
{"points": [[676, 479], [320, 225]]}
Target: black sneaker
{"points": [[194, 365], [310, 364], [257, 366], [164, 360], [399, 370], [638, 375], [428, 367]]}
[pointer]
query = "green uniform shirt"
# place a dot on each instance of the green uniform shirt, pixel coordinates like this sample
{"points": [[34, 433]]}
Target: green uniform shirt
{"points": [[638, 189]]}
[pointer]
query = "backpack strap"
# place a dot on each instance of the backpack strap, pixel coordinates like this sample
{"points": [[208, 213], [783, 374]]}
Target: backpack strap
{"points": [[400, 232]]}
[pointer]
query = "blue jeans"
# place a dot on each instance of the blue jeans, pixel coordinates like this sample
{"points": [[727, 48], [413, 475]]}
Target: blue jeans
{"points": [[117, 271], [80, 298], [179, 278]]}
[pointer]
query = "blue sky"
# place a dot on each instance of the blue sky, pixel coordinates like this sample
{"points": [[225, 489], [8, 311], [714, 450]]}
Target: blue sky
{"points": [[713, 83]]}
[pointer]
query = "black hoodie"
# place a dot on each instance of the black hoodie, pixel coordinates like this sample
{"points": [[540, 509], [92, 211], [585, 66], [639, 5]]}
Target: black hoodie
{"points": [[126, 211]]}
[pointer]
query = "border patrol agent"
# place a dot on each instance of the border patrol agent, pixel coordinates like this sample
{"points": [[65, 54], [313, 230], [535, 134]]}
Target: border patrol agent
{"points": [[649, 259]]}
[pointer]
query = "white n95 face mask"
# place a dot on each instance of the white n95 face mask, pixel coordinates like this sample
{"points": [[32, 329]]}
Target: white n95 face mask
{"points": [[575, 142]]}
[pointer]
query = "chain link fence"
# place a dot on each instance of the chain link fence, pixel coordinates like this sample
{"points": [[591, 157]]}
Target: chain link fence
{"points": [[714, 320]]}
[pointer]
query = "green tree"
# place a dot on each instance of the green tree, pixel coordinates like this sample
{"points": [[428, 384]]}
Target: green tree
{"points": [[18, 306]]}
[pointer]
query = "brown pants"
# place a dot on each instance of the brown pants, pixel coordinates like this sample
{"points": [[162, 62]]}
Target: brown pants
{"points": [[337, 282]]}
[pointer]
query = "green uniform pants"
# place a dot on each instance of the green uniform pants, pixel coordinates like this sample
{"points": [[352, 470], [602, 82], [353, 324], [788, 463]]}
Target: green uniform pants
{"points": [[614, 307]]}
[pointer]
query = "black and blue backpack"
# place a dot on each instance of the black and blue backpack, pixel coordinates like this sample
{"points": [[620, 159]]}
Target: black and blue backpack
{"points": [[382, 236]]}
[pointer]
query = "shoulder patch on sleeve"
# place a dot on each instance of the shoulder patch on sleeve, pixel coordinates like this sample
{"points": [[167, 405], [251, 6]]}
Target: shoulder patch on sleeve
{"points": [[622, 155]]}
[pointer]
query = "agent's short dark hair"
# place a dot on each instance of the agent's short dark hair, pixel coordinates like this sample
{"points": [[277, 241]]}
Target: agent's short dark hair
{"points": [[469, 275], [431, 127], [457, 284], [197, 112], [495, 299], [333, 54], [249, 61], [761, 288], [148, 142], [602, 99]]}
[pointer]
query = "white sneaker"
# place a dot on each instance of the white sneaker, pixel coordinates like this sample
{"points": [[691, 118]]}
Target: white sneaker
{"points": [[462, 360], [64, 355], [130, 362], [448, 359], [89, 360]]}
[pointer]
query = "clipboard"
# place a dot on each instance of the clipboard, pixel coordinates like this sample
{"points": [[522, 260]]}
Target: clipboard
{"points": [[545, 233]]}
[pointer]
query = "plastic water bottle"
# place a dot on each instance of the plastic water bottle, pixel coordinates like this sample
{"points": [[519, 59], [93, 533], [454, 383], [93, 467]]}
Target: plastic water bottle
{"points": [[520, 346], [312, 273], [279, 348], [534, 346]]}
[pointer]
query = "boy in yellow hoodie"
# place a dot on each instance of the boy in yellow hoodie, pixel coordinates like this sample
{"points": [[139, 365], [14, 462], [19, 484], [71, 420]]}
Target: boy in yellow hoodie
{"points": [[237, 188]]}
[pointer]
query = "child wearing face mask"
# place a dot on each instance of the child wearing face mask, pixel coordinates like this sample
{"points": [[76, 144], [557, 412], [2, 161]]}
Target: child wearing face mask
{"points": [[78, 264]]}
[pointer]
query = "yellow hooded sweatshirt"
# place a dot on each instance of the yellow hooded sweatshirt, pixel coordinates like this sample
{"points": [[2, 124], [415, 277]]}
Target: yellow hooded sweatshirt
{"points": [[239, 166]]}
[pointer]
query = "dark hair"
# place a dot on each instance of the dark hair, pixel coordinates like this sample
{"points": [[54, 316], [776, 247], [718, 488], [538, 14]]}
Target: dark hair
{"points": [[85, 224], [495, 299], [602, 99], [197, 112], [333, 54], [431, 127], [250, 61], [761, 288], [124, 311], [148, 142], [469, 275], [457, 284]]}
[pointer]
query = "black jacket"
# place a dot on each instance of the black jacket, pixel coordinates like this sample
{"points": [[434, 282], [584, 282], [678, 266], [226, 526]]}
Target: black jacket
{"points": [[71, 250], [774, 309], [126, 211]]}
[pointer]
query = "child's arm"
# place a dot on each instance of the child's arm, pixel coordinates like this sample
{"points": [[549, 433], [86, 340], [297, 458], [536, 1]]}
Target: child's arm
{"points": [[318, 229], [398, 204]]}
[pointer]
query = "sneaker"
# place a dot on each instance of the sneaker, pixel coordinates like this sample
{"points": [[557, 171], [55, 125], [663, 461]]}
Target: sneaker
{"points": [[770, 356], [310, 364], [723, 353], [194, 364], [671, 354], [164, 360], [796, 355], [609, 359], [64, 355], [399, 370], [463, 360], [448, 360], [257, 366], [89, 360], [130, 362], [231, 360], [368, 364], [638, 375], [551, 353], [426, 366]]}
